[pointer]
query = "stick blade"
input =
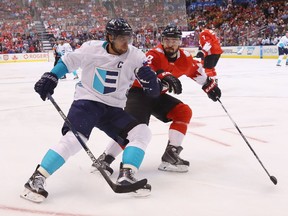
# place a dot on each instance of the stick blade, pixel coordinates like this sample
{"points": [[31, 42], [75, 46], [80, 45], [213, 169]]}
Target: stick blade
{"points": [[130, 188], [117, 188], [274, 180]]}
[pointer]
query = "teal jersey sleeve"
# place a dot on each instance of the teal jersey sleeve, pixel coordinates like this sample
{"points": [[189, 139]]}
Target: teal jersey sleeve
{"points": [[60, 69], [281, 44]]}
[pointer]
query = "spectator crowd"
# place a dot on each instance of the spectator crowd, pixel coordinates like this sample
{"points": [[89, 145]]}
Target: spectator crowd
{"points": [[245, 23], [17, 33]]}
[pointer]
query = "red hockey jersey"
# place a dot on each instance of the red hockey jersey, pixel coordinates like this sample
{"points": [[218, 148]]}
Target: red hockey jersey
{"points": [[209, 36], [184, 65]]}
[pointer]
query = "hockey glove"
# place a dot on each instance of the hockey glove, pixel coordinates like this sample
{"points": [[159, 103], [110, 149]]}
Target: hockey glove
{"points": [[148, 79], [200, 54], [169, 82], [212, 89], [46, 84]]}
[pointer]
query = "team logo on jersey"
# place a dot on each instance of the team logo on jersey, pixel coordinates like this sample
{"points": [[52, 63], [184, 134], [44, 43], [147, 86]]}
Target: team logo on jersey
{"points": [[105, 81]]}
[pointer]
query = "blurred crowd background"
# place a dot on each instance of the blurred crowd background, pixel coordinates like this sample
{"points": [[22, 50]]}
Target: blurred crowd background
{"points": [[35, 25]]}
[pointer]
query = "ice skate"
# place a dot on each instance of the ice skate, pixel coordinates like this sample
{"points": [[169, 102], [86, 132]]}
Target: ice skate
{"points": [[34, 188], [105, 161], [126, 177], [279, 65], [171, 160]]}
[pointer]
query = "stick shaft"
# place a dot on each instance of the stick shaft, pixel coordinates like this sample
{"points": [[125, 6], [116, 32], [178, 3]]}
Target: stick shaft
{"points": [[244, 137]]}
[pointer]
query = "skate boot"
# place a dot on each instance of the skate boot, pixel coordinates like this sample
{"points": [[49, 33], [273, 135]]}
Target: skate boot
{"points": [[171, 160], [278, 65], [105, 161], [126, 177], [34, 188]]}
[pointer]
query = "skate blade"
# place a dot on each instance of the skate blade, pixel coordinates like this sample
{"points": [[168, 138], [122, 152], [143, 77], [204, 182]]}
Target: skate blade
{"points": [[164, 166], [31, 196]]}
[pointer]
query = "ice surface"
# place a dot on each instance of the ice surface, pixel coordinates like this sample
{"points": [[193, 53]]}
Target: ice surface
{"points": [[224, 179]]}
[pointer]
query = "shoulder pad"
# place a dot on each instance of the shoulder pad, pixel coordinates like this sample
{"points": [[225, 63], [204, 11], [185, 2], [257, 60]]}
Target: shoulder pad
{"points": [[186, 53], [159, 50]]}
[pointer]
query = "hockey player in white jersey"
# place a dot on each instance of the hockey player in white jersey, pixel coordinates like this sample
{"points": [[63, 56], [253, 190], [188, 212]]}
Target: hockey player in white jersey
{"points": [[60, 49], [108, 71], [283, 49]]}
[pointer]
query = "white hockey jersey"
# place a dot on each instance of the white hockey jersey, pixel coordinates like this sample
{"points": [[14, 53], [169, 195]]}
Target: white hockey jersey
{"points": [[62, 49], [105, 78], [283, 42]]}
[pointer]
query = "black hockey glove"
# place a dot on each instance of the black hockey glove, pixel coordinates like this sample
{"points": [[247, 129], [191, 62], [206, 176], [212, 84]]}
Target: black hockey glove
{"points": [[212, 89], [148, 79], [46, 84], [169, 82], [200, 54]]}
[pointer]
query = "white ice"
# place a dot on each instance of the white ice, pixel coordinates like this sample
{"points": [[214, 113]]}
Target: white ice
{"points": [[224, 179]]}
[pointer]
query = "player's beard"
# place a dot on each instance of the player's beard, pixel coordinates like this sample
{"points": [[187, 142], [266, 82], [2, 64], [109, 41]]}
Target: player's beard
{"points": [[170, 52], [121, 50]]}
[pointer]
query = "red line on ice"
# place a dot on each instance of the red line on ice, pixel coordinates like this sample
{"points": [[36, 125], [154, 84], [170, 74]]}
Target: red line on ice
{"points": [[38, 212]]}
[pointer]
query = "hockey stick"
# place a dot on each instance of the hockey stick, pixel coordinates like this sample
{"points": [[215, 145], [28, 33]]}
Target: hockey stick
{"points": [[115, 187], [272, 178]]}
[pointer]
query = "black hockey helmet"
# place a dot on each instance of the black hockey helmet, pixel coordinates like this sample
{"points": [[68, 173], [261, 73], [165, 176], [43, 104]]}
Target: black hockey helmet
{"points": [[201, 23], [118, 26], [172, 31]]}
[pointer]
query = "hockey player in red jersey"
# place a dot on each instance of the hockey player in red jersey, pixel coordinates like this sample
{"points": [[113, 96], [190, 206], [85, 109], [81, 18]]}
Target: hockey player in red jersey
{"points": [[210, 49], [170, 62]]}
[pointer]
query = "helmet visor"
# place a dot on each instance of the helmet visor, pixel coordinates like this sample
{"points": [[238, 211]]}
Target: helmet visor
{"points": [[123, 39]]}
